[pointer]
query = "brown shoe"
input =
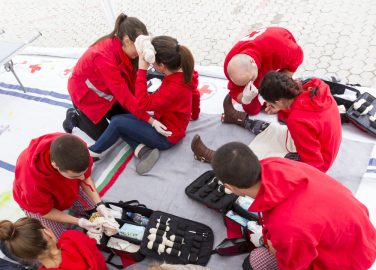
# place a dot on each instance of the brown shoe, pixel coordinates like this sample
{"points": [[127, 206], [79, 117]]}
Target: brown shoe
{"points": [[200, 151], [232, 116]]}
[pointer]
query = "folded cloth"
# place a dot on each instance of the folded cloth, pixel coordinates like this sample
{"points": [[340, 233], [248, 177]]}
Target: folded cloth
{"points": [[121, 244], [144, 46], [274, 141]]}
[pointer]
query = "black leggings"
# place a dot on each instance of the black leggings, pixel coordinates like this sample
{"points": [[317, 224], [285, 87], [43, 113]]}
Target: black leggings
{"points": [[94, 131]]}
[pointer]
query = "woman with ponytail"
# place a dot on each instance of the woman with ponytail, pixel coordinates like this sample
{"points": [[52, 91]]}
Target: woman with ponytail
{"points": [[313, 133], [103, 80], [176, 102], [27, 239]]}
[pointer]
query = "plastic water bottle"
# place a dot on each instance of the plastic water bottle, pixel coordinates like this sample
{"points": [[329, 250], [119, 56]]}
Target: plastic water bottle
{"points": [[138, 218]]}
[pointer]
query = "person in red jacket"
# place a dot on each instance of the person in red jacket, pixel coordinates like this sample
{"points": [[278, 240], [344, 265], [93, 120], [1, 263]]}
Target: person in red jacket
{"points": [[103, 80], [314, 121], [28, 239], [310, 220], [176, 102], [266, 49], [53, 175]]}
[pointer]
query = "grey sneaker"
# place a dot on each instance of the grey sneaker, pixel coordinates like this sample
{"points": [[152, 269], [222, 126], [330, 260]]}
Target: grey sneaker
{"points": [[147, 158]]}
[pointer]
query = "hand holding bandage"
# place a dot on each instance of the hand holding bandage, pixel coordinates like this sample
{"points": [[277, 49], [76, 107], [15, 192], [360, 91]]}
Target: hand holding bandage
{"points": [[249, 93], [145, 48]]}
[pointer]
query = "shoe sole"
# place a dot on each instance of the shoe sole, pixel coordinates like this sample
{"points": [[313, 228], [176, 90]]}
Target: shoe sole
{"points": [[147, 164]]}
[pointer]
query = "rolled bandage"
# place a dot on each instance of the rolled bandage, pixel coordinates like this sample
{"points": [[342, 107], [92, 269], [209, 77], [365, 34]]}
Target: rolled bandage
{"points": [[358, 104], [227, 191], [143, 45], [249, 93], [372, 118], [163, 227], [173, 251], [161, 240], [157, 232], [157, 247]]}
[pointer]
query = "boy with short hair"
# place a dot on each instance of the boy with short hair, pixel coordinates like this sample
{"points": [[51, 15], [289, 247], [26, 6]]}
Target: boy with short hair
{"points": [[310, 220], [53, 175]]}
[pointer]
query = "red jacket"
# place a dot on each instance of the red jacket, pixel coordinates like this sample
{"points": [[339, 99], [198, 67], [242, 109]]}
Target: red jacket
{"points": [[37, 186], [315, 126], [78, 252], [272, 48], [173, 104], [312, 220], [103, 76]]}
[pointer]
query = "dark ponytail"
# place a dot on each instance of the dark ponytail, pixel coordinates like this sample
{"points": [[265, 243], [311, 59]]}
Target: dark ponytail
{"points": [[174, 56], [126, 26], [276, 85], [24, 238]]}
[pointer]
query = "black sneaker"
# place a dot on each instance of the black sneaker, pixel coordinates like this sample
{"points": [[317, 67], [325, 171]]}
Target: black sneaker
{"points": [[71, 120]]}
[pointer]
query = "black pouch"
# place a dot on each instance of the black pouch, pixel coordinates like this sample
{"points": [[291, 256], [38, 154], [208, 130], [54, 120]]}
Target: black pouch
{"points": [[363, 121], [338, 89], [235, 246], [206, 190], [192, 240], [128, 206], [196, 239]]}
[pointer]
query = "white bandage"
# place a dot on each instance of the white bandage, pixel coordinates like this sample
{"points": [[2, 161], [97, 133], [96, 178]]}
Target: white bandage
{"points": [[256, 236], [249, 93], [143, 46]]}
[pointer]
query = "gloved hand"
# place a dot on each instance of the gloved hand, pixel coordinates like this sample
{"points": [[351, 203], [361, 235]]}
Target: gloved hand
{"points": [[249, 93], [104, 211], [89, 226], [160, 128], [145, 49], [256, 236]]}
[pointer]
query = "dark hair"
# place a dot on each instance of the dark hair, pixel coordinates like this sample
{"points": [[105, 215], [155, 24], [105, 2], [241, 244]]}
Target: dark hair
{"points": [[126, 26], [24, 238], [234, 163], [276, 85], [70, 153], [174, 56]]}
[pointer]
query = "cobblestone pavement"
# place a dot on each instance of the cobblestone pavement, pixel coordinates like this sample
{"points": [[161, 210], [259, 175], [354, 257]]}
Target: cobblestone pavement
{"points": [[338, 36]]}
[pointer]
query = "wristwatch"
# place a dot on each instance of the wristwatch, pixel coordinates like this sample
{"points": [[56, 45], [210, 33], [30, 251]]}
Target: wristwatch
{"points": [[100, 203]]}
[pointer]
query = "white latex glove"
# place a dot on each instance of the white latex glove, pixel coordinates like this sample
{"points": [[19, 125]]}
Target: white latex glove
{"points": [[249, 93], [89, 226], [256, 236], [104, 211], [144, 47], [161, 129]]}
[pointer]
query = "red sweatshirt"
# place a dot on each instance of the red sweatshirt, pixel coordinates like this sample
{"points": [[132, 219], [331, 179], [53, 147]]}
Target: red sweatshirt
{"points": [[37, 186], [315, 126], [173, 104], [79, 252], [272, 48], [103, 76], [312, 220]]}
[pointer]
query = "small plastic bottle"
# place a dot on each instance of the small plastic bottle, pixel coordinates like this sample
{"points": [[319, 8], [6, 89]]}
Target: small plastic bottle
{"points": [[138, 218]]}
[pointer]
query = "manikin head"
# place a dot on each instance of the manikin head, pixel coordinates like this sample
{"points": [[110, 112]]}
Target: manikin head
{"points": [[242, 69], [238, 168]]}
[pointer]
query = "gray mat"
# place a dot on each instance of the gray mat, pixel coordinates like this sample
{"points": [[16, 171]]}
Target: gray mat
{"points": [[163, 188]]}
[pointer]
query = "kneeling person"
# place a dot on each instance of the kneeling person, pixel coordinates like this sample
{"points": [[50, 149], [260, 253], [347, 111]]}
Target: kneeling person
{"points": [[310, 220], [53, 175]]}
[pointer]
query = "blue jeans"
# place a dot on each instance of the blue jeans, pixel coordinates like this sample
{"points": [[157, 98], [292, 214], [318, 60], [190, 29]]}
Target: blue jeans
{"points": [[133, 131]]}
